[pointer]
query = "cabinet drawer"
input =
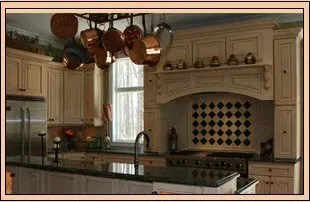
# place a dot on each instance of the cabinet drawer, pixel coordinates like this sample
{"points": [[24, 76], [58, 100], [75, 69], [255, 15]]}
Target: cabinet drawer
{"points": [[271, 170], [93, 157]]}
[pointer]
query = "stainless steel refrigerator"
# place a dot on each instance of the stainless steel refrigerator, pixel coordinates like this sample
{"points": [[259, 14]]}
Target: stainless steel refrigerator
{"points": [[24, 120]]}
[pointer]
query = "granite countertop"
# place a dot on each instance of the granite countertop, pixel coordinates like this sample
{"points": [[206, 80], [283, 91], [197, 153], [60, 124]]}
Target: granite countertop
{"points": [[176, 175], [244, 183], [274, 160], [124, 151]]}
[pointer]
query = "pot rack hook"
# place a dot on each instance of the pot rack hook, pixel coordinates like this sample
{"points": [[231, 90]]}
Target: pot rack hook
{"points": [[143, 23], [162, 17], [152, 22], [131, 19]]}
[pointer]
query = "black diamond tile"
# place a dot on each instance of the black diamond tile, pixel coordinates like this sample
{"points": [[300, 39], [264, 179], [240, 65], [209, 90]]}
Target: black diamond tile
{"points": [[203, 174], [247, 133], [203, 106], [246, 142], [211, 174], [220, 123], [238, 105], [220, 114], [246, 114], [195, 140], [229, 132], [195, 132], [203, 123], [220, 141], [195, 106], [229, 105], [211, 132], [228, 141], [195, 115], [219, 175], [211, 114], [203, 132], [195, 123], [203, 141], [212, 123], [247, 123], [229, 114], [237, 142], [212, 105], [238, 114], [203, 114], [247, 105], [220, 105], [220, 132], [229, 123], [211, 141], [238, 123], [237, 132]]}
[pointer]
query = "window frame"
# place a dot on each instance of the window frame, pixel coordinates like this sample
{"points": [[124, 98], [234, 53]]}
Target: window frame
{"points": [[113, 91]]}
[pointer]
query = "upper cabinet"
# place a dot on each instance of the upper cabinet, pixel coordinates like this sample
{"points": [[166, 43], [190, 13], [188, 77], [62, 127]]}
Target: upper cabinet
{"points": [[74, 97], [180, 50], [26, 73], [287, 66]]}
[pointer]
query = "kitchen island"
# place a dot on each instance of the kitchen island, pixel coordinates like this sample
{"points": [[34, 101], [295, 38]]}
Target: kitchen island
{"points": [[36, 175]]}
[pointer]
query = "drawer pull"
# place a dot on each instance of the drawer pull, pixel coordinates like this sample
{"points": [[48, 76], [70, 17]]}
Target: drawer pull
{"points": [[150, 130], [151, 162], [271, 182], [284, 71], [20, 89], [82, 119], [93, 157], [267, 182], [284, 132], [12, 175], [150, 81], [154, 192], [269, 169], [91, 119]]}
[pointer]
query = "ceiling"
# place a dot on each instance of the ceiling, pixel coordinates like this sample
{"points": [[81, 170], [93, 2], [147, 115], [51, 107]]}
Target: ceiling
{"points": [[39, 23]]}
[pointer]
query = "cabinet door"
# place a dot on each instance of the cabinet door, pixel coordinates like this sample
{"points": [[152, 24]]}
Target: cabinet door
{"points": [[55, 96], [89, 97], [98, 98], [285, 69], [150, 127], [30, 181], [138, 187], [149, 89], [12, 180], [263, 186], [282, 185], [286, 136], [34, 74], [98, 185], [60, 183], [206, 48], [180, 50], [14, 78], [74, 97]]}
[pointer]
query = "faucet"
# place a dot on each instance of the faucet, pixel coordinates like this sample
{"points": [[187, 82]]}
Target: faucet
{"points": [[136, 159]]}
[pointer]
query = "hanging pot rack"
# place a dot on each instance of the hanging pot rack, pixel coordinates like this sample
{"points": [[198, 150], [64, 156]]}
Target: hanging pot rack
{"points": [[115, 16]]}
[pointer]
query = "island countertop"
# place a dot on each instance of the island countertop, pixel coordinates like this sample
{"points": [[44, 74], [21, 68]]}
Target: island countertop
{"points": [[176, 175]]}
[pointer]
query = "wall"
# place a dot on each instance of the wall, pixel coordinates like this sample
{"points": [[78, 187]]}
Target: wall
{"points": [[179, 114]]}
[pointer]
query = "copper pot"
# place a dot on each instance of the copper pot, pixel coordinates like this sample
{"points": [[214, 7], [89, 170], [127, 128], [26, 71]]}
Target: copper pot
{"points": [[145, 51], [64, 25], [131, 33], [71, 62], [89, 37], [113, 40]]}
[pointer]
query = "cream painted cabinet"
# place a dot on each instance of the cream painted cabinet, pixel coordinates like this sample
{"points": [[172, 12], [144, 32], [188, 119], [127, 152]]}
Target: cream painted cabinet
{"points": [[287, 138], [93, 97], [275, 178], [74, 97], [180, 50], [97, 185], [14, 76], [149, 89], [206, 48], [151, 120], [55, 96], [30, 181], [60, 183], [133, 187]]}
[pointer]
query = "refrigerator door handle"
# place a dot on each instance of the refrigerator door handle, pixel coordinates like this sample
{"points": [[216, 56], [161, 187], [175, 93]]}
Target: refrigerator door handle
{"points": [[28, 131], [22, 131]]}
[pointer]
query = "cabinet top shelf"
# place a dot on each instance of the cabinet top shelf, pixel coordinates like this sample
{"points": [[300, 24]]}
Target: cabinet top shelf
{"points": [[208, 68]]}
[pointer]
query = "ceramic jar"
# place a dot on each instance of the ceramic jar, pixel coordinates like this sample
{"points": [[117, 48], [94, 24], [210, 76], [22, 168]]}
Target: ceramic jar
{"points": [[214, 62], [249, 59], [232, 60], [199, 63]]}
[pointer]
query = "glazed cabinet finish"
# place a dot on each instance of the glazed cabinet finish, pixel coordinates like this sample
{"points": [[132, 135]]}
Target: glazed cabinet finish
{"points": [[55, 98], [30, 181], [89, 97], [263, 186], [97, 185], [15, 180], [287, 137], [74, 97], [60, 183], [14, 76], [180, 50]]}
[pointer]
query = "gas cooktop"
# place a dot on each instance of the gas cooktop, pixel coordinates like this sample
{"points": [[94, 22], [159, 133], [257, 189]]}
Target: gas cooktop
{"points": [[214, 154]]}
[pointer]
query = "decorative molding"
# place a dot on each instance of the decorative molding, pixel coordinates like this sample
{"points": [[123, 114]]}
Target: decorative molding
{"points": [[267, 76], [288, 33], [26, 54], [43, 39]]}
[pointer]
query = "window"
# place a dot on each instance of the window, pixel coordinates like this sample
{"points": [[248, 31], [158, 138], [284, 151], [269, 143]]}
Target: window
{"points": [[127, 100]]}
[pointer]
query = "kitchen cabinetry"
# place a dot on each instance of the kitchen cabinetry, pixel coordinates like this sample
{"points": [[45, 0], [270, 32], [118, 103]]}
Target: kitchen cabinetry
{"points": [[26, 73], [206, 48], [30, 181], [97, 185], [93, 97], [149, 90], [14, 175], [55, 95], [180, 50], [74, 97], [133, 187], [60, 183], [275, 178]]}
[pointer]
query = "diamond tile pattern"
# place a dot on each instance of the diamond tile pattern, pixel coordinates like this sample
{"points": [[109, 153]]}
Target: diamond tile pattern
{"points": [[222, 123]]}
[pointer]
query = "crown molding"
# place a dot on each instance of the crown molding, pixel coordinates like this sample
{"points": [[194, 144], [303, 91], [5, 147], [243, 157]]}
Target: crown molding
{"points": [[229, 27], [23, 54], [288, 33], [43, 39]]}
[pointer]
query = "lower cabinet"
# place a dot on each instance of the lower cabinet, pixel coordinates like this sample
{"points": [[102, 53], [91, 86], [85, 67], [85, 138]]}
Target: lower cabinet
{"points": [[133, 187], [12, 180], [60, 183], [275, 178], [30, 181], [97, 185]]}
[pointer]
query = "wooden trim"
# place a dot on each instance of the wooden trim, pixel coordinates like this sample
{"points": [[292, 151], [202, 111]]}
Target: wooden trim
{"points": [[27, 55], [288, 33]]}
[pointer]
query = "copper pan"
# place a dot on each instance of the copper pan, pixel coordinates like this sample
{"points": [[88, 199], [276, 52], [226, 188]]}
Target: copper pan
{"points": [[64, 25], [131, 33], [70, 62], [145, 51]]}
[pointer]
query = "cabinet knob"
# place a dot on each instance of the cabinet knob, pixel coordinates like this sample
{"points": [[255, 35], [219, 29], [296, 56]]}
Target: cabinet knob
{"points": [[91, 119], [284, 132], [151, 162], [82, 119], [269, 169], [150, 81], [150, 130], [20, 89], [154, 192], [284, 71], [267, 182], [12, 175], [271, 182]]}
